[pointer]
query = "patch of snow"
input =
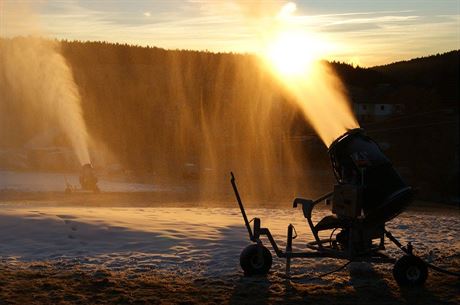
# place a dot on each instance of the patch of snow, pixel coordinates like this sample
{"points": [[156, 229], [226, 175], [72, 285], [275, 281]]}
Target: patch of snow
{"points": [[188, 241]]}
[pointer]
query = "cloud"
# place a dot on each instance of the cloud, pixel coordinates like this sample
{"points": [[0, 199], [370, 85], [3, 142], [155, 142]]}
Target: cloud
{"points": [[373, 35]]}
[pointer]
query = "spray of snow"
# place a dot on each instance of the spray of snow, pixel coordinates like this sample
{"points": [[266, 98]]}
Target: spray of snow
{"points": [[39, 81]]}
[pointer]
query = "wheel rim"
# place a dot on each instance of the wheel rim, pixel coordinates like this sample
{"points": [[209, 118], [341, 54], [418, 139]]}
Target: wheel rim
{"points": [[257, 261], [413, 273]]}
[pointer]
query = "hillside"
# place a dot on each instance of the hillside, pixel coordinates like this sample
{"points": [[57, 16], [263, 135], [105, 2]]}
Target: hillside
{"points": [[437, 73], [155, 110]]}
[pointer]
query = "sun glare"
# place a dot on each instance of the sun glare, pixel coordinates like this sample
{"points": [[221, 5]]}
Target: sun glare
{"points": [[292, 53]]}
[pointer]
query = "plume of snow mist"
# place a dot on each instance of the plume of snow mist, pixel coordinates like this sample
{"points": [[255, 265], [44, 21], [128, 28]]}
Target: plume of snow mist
{"points": [[37, 83], [42, 83], [293, 55]]}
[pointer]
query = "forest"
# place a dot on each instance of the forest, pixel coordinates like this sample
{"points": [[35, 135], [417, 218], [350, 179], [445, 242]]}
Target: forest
{"points": [[155, 110]]}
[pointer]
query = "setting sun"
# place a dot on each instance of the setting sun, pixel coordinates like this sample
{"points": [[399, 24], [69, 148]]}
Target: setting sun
{"points": [[291, 53]]}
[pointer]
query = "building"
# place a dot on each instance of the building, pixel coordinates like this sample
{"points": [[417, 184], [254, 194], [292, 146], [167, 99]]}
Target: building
{"points": [[367, 112]]}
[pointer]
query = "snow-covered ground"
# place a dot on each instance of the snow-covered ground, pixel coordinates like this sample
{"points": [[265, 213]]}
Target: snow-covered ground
{"points": [[195, 241], [110, 248]]}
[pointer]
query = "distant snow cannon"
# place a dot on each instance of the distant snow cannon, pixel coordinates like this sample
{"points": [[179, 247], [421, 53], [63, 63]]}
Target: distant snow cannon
{"points": [[88, 179], [369, 192]]}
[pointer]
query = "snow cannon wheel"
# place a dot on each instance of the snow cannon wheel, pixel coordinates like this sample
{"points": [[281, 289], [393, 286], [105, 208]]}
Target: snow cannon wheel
{"points": [[255, 260], [410, 271]]}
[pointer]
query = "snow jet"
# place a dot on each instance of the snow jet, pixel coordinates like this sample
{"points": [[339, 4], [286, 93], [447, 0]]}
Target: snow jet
{"points": [[42, 82], [292, 54], [38, 89], [323, 101]]}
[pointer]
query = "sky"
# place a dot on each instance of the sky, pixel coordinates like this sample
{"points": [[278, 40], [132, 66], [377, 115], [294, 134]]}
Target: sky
{"points": [[364, 33]]}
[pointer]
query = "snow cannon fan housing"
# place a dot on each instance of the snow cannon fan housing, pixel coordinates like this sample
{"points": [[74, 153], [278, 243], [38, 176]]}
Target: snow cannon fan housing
{"points": [[88, 179], [368, 185]]}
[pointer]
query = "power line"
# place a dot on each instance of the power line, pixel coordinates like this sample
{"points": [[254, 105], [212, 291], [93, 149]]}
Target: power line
{"points": [[412, 126], [408, 116]]}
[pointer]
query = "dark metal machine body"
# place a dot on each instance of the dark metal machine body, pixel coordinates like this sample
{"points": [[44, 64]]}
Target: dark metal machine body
{"points": [[88, 179], [368, 193]]}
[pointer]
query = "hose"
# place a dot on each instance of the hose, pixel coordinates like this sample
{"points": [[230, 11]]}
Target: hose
{"points": [[333, 271], [323, 275], [444, 271]]}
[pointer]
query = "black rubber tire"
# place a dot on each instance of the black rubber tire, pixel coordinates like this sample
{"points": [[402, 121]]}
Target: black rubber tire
{"points": [[255, 260], [410, 271]]}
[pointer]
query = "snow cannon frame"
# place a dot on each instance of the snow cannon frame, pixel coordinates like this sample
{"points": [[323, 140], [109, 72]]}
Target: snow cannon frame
{"points": [[368, 193]]}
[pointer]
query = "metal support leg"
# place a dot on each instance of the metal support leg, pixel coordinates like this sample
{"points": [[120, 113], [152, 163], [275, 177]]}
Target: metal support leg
{"points": [[289, 249], [382, 242], [408, 250], [350, 243]]}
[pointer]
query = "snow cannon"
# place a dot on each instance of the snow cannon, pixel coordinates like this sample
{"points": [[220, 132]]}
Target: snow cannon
{"points": [[367, 194], [367, 184], [88, 179]]}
